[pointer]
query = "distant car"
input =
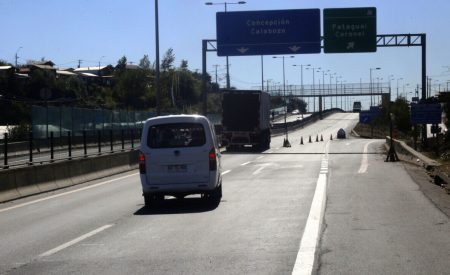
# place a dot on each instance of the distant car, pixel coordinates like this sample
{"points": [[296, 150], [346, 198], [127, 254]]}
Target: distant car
{"points": [[341, 133], [179, 156], [357, 106], [295, 112]]}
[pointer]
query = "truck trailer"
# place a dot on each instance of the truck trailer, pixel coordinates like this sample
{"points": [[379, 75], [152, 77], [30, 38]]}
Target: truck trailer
{"points": [[245, 119]]}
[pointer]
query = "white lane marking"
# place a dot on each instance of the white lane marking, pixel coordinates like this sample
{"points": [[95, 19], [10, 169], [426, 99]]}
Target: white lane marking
{"points": [[260, 157], [66, 193], [259, 170], [347, 144], [305, 256], [364, 161], [226, 172], [74, 241], [245, 163]]}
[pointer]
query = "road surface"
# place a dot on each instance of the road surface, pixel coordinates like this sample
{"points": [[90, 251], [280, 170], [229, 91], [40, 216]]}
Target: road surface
{"points": [[375, 220]]}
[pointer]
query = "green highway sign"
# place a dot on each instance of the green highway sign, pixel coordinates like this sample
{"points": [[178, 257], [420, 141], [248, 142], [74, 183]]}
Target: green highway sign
{"points": [[350, 30]]}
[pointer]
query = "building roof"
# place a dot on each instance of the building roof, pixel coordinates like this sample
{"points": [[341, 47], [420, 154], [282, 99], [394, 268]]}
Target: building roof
{"points": [[132, 67], [21, 75], [93, 68], [43, 67], [88, 75], [68, 73], [6, 67], [45, 62]]}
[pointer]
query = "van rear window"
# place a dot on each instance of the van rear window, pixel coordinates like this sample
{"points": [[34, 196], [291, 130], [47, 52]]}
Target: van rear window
{"points": [[175, 135]]}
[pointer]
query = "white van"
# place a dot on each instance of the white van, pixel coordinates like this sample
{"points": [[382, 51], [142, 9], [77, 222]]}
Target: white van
{"points": [[179, 156]]}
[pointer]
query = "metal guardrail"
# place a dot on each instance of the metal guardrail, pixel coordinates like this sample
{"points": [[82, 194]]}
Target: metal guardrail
{"points": [[70, 146]]}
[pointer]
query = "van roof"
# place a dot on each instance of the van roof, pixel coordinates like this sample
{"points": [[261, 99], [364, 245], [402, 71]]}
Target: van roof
{"points": [[177, 118]]}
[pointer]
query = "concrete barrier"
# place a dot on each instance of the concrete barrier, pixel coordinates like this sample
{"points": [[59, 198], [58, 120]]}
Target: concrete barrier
{"points": [[8, 186], [412, 155], [26, 181]]}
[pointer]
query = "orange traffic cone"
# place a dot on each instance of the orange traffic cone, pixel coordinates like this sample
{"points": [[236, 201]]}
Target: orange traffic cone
{"points": [[321, 137], [301, 141]]}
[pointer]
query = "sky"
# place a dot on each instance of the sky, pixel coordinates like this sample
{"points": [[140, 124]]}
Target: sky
{"points": [[102, 31]]}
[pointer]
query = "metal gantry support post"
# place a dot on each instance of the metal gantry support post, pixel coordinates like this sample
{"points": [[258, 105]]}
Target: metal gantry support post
{"points": [[204, 92], [424, 84]]}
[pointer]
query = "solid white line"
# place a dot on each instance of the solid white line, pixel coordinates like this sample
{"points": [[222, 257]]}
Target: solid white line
{"points": [[226, 172], [364, 161], [306, 253], [74, 241], [66, 193], [245, 163], [260, 157]]}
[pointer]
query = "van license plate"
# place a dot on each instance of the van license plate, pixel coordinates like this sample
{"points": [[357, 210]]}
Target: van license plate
{"points": [[179, 168]]}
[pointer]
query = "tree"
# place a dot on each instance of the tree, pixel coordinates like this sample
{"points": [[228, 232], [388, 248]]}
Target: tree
{"points": [[297, 103], [184, 64], [145, 63], [122, 63], [168, 59]]}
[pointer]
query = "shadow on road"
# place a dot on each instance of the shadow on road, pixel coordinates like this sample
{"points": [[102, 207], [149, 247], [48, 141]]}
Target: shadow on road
{"points": [[176, 206]]}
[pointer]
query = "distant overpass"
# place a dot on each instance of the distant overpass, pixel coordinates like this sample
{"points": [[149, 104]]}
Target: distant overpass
{"points": [[327, 90]]}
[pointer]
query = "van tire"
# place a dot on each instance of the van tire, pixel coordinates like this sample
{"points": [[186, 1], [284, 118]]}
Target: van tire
{"points": [[152, 199], [216, 194]]}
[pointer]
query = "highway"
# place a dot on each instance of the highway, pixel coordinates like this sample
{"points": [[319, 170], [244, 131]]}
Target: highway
{"points": [[376, 220]]}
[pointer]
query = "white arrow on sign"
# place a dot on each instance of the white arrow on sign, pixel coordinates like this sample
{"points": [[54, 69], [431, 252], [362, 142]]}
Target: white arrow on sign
{"points": [[294, 48], [350, 45], [243, 50]]}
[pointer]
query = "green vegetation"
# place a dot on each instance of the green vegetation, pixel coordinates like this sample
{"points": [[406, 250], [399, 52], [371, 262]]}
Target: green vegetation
{"points": [[130, 88]]}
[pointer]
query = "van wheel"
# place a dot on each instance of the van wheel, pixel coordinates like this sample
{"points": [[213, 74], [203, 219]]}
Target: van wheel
{"points": [[152, 199], [216, 194]]}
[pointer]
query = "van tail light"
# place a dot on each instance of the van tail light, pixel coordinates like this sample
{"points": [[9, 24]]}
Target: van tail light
{"points": [[142, 168], [212, 160]]}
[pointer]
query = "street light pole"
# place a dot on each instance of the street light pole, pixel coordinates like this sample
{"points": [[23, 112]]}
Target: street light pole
{"points": [[397, 84], [371, 85], [301, 75], [225, 4], [286, 141], [157, 84]]}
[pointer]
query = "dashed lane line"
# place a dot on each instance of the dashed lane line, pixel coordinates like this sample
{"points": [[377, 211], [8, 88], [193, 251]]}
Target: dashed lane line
{"points": [[66, 193], [74, 241]]}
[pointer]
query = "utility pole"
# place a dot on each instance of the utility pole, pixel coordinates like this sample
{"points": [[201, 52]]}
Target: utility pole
{"points": [[215, 66], [79, 63], [16, 56]]}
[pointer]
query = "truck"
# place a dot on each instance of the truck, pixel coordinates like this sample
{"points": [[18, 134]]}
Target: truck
{"points": [[357, 106], [245, 119]]}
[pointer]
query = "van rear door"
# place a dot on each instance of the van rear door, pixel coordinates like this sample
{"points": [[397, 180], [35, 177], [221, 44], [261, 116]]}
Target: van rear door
{"points": [[178, 154]]}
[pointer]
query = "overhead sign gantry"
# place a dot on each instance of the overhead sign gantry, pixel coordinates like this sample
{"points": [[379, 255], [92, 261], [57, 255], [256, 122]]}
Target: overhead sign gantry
{"points": [[350, 30], [268, 32]]}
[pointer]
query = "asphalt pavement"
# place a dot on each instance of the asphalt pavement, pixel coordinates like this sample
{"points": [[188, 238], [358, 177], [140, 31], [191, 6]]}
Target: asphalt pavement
{"points": [[375, 219]]}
